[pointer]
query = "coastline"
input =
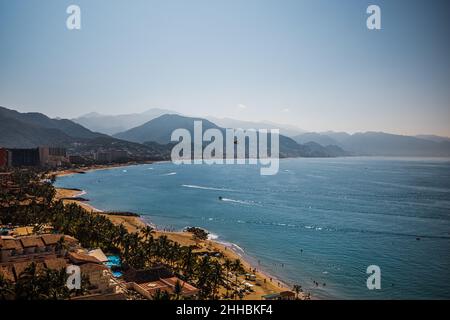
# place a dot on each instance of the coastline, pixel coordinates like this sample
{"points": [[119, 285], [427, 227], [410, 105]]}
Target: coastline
{"points": [[83, 170], [267, 283]]}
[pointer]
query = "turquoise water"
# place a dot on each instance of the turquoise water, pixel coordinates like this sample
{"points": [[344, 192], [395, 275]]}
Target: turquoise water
{"points": [[114, 261], [321, 220]]}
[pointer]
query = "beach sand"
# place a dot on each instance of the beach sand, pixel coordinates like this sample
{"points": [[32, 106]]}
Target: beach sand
{"points": [[264, 283], [96, 167]]}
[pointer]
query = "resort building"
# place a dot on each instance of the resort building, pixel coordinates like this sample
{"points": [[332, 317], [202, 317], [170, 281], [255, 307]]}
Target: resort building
{"points": [[23, 157], [37, 247], [284, 295], [97, 273], [49, 251], [52, 156], [158, 279], [42, 156]]}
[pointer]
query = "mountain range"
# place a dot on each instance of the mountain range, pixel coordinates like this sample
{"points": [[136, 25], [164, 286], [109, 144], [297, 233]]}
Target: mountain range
{"points": [[285, 129], [151, 139], [160, 130], [381, 144], [152, 136], [30, 130], [33, 129], [112, 124]]}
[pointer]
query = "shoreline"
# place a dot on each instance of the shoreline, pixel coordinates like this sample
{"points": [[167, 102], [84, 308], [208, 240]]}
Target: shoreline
{"points": [[265, 283], [84, 170]]}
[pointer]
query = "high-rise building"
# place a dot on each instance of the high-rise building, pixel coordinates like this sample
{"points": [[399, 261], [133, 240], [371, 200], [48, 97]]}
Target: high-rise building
{"points": [[53, 156], [23, 157]]}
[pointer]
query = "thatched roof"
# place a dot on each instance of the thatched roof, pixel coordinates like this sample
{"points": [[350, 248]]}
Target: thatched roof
{"points": [[98, 254], [6, 243], [55, 264], [80, 258], [32, 241]]}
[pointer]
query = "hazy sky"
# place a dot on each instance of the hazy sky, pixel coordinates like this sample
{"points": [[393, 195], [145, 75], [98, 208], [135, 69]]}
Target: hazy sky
{"points": [[311, 63]]}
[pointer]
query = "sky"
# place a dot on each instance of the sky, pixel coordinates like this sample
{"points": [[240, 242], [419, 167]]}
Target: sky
{"points": [[309, 63]]}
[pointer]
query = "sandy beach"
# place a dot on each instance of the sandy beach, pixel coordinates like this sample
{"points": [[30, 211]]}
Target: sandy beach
{"points": [[82, 170], [264, 283]]}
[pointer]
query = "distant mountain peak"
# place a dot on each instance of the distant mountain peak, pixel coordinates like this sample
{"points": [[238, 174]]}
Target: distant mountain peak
{"points": [[91, 115], [112, 124], [33, 129]]}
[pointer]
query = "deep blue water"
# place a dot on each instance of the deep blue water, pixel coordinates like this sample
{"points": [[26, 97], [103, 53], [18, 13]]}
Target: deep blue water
{"points": [[323, 219]]}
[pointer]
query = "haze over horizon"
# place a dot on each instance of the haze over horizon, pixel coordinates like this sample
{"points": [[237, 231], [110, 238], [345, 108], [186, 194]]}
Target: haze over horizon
{"points": [[312, 64]]}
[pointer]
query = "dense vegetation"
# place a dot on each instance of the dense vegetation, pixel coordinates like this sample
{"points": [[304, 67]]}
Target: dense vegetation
{"points": [[34, 284], [30, 200]]}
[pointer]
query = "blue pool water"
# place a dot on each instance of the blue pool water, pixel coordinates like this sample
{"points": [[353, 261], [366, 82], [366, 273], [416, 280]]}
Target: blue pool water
{"points": [[321, 220], [114, 261]]}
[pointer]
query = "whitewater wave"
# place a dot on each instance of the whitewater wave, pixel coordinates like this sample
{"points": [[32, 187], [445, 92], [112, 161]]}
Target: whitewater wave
{"points": [[81, 193], [170, 174], [234, 245], [206, 188], [212, 236]]}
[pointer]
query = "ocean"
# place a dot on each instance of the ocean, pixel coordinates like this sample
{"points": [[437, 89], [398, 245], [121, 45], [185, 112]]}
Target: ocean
{"points": [[318, 223]]}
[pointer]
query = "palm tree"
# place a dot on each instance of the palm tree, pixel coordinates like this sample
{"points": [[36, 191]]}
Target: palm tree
{"points": [[147, 232], [188, 262], [138, 250], [217, 278], [228, 264], [203, 272], [43, 285], [161, 295], [178, 289], [28, 286], [297, 289], [6, 289]]}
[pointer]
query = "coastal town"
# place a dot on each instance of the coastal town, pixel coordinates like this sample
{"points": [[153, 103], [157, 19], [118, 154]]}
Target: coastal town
{"points": [[45, 231]]}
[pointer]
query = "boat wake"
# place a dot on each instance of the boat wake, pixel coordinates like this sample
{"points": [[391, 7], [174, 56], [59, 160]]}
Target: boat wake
{"points": [[206, 188], [247, 203]]}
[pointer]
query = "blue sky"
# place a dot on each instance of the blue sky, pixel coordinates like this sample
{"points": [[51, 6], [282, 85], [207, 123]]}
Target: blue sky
{"points": [[310, 63]]}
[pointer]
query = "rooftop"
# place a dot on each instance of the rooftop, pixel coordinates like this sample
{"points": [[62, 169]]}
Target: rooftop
{"points": [[56, 263], [186, 287], [6, 243], [32, 241], [80, 258], [10, 243]]}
